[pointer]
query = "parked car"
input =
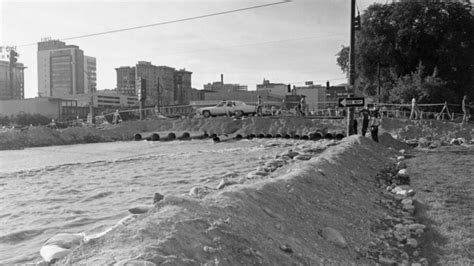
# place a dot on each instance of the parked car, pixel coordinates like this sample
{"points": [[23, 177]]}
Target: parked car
{"points": [[236, 108]]}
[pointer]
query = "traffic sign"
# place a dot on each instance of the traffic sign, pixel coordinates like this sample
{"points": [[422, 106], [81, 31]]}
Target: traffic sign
{"points": [[351, 102]]}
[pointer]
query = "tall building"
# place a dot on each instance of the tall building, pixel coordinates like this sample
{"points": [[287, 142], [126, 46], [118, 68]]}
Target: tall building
{"points": [[126, 80], [64, 70], [182, 81], [12, 89], [164, 85], [90, 79]]}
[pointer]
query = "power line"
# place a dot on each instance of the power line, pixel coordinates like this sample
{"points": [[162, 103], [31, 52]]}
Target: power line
{"points": [[166, 22], [258, 43]]}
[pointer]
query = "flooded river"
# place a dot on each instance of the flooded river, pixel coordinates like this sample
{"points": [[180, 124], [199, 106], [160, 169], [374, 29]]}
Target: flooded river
{"points": [[89, 187]]}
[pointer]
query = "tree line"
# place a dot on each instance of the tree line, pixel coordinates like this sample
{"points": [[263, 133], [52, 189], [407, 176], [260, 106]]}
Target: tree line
{"points": [[421, 49]]}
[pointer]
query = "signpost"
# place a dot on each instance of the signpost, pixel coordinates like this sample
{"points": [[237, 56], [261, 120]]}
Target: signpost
{"points": [[351, 102]]}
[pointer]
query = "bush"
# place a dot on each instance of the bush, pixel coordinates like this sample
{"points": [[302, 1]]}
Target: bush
{"points": [[31, 119], [91, 138]]}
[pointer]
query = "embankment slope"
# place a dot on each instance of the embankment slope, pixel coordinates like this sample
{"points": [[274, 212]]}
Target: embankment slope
{"points": [[441, 131], [276, 221], [43, 136]]}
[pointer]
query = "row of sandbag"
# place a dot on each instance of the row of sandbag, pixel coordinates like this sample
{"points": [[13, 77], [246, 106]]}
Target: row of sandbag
{"points": [[184, 135]]}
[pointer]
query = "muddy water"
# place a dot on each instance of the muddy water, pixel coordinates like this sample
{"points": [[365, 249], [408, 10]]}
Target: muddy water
{"points": [[88, 188]]}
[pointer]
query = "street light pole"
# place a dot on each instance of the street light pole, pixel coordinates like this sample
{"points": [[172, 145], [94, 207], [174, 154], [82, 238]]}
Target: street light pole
{"points": [[351, 89]]}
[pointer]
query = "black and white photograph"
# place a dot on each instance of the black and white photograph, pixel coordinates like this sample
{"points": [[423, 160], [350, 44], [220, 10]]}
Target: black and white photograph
{"points": [[236, 132]]}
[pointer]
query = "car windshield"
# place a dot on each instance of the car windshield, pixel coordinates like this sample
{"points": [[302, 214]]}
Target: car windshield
{"points": [[221, 104]]}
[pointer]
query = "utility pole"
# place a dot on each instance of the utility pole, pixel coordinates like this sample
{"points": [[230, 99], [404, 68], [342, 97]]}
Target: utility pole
{"points": [[158, 92], [378, 80], [351, 89]]}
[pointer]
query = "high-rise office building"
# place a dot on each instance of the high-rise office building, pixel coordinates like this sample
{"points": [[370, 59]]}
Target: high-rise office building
{"points": [[164, 85], [126, 80], [90, 79], [11, 89], [64, 70]]}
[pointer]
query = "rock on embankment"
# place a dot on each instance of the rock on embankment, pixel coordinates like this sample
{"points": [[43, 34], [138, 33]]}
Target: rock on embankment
{"points": [[319, 212]]}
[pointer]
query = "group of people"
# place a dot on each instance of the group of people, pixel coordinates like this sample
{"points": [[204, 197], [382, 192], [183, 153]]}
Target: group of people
{"points": [[369, 118], [300, 108], [416, 113]]}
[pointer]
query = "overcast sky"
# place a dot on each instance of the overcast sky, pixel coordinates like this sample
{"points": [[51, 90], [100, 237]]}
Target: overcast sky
{"points": [[290, 42]]}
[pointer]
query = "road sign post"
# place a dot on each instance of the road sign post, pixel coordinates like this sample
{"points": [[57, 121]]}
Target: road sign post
{"points": [[351, 102]]}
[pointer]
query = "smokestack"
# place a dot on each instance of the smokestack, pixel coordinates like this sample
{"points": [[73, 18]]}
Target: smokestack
{"points": [[222, 81]]}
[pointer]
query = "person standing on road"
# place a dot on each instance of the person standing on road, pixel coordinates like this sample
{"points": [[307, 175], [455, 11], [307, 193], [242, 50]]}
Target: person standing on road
{"points": [[365, 119], [415, 112], [259, 111], [465, 109]]}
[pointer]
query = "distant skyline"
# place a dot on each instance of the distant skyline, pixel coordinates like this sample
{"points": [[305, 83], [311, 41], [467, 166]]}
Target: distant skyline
{"points": [[290, 42]]}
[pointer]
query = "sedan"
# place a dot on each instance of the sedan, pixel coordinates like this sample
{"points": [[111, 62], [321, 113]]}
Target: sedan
{"points": [[236, 108]]}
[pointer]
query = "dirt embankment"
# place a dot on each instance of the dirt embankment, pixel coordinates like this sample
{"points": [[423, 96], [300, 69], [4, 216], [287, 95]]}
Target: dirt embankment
{"points": [[289, 218], [43, 136], [426, 131]]}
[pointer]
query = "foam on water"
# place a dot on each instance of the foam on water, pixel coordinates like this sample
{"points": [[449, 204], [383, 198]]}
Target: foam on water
{"points": [[89, 187]]}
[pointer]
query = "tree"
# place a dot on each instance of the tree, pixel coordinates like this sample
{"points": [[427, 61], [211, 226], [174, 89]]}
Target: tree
{"points": [[400, 35], [343, 59], [425, 88]]}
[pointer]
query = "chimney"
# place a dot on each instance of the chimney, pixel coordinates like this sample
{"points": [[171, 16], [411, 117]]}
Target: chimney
{"points": [[222, 81]]}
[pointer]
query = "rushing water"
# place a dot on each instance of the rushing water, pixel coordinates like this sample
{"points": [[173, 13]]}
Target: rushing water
{"points": [[89, 187]]}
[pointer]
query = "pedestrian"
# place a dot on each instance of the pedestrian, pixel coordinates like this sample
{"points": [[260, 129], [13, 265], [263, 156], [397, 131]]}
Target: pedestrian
{"points": [[52, 124], [117, 119], [259, 111], [283, 105], [374, 126], [355, 126], [273, 110], [465, 109], [415, 112], [303, 105], [365, 119]]}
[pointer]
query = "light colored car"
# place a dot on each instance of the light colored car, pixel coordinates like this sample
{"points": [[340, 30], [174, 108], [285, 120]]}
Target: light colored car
{"points": [[236, 108]]}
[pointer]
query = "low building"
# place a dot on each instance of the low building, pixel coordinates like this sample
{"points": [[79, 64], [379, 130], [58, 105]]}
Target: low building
{"points": [[315, 96], [333, 93], [249, 97], [107, 99], [195, 94], [54, 108], [273, 88], [219, 87]]}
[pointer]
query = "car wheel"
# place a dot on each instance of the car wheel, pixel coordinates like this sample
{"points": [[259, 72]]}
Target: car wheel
{"points": [[206, 113], [239, 113]]}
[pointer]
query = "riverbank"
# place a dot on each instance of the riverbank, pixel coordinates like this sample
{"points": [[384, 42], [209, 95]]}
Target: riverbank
{"points": [[277, 220], [424, 132], [44, 136]]}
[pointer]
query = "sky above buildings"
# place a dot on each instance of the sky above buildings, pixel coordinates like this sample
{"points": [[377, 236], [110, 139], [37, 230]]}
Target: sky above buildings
{"points": [[291, 42]]}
